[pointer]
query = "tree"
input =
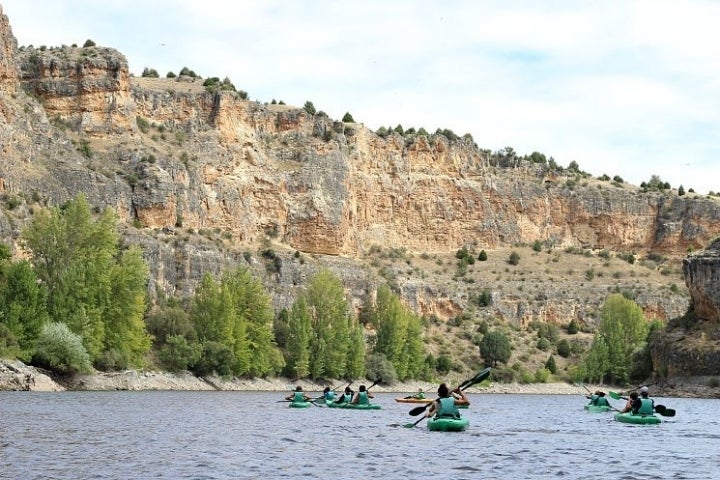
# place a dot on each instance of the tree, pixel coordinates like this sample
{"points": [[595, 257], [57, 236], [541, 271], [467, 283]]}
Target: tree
{"points": [[22, 308], [149, 73], [495, 347], [482, 256], [88, 43], [398, 334], [347, 118], [621, 334], [93, 287], [681, 191], [309, 108]]}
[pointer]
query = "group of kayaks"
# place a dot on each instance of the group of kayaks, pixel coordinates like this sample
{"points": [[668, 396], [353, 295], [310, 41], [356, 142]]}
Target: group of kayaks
{"points": [[333, 404], [635, 418]]}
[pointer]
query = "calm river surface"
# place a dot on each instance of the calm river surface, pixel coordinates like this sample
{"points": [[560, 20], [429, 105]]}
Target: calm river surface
{"points": [[239, 435]]}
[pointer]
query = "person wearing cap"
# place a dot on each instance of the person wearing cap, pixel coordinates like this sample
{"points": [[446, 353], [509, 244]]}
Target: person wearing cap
{"points": [[644, 405], [446, 405], [298, 396]]}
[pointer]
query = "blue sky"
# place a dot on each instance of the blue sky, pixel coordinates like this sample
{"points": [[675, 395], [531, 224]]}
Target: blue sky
{"points": [[629, 88]]}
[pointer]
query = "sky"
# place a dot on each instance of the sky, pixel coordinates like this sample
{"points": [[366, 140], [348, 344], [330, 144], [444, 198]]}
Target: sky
{"points": [[626, 87]]}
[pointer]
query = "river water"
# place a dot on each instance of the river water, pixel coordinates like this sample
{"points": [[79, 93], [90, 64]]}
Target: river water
{"points": [[250, 435]]}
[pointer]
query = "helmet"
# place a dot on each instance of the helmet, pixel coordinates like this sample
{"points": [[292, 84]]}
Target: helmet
{"points": [[644, 390]]}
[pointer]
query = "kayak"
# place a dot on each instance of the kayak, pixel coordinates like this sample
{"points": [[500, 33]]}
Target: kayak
{"points": [[448, 424], [413, 400], [354, 406], [300, 404], [598, 408], [422, 401], [637, 419]]}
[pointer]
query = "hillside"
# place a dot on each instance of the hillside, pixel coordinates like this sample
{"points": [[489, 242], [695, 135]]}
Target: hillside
{"points": [[204, 180]]}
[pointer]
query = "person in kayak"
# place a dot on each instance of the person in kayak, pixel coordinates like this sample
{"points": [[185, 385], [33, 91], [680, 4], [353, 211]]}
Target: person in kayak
{"points": [[328, 394], [362, 397], [446, 405], [644, 405], [630, 402], [598, 399], [345, 397], [298, 396], [420, 395]]}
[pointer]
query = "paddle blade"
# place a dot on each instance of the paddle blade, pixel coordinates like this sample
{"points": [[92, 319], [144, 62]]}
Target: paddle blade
{"points": [[482, 375], [615, 396], [418, 410], [664, 411]]}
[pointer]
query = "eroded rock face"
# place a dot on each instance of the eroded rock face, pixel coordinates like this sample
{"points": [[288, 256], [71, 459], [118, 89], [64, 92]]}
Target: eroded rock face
{"points": [[9, 72], [702, 277]]}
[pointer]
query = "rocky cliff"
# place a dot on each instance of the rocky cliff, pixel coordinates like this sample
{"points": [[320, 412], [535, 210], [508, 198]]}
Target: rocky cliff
{"points": [[200, 178]]}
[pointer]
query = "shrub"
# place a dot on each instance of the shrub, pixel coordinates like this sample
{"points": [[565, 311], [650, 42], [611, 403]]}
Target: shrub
{"points": [[309, 108], [177, 354], [378, 366], [61, 350], [215, 358], [88, 43], [514, 258], [150, 73], [537, 246], [563, 348], [347, 118], [482, 256]]}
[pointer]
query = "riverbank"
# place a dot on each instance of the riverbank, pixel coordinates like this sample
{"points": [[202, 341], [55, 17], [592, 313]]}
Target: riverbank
{"points": [[16, 376]]}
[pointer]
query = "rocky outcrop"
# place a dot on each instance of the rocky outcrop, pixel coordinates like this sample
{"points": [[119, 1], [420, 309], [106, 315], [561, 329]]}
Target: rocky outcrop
{"points": [[702, 277], [16, 376], [9, 72], [690, 345]]}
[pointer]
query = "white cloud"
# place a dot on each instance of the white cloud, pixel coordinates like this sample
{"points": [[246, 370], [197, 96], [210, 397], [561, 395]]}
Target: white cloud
{"points": [[625, 88]]}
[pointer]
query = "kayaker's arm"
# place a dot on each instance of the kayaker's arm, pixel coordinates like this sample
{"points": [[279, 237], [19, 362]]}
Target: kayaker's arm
{"points": [[463, 400]]}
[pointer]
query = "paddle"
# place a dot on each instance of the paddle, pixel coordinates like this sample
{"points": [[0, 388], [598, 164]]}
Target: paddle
{"points": [[664, 411], [616, 396], [482, 375]]}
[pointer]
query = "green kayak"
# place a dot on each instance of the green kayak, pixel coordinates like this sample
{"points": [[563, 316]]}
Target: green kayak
{"points": [[598, 408], [300, 404], [448, 424], [354, 406], [637, 419]]}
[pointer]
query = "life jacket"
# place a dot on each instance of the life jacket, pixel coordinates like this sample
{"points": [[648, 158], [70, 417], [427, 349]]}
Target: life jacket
{"points": [[330, 395], [593, 399], [602, 402], [447, 408], [363, 398], [344, 398], [646, 407], [298, 397]]}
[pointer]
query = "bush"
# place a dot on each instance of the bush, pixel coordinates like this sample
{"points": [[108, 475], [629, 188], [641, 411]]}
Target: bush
{"points": [[215, 358], [482, 256], [177, 354], [61, 350], [347, 118], [514, 258], [149, 73], [563, 348], [378, 366], [88, 43]]}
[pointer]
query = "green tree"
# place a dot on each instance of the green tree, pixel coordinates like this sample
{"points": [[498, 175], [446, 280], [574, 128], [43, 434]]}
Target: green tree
{"points": [[331, 324], [22, 308], [398, 334], [297, 360], [495, 347], [93, 287], [347, 118], [621, 334], [309, 108]]}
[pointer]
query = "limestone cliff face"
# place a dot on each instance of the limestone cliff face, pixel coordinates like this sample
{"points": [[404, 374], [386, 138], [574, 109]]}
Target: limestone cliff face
{"points": [[9, 72], [86, 87], [172, 158]]}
